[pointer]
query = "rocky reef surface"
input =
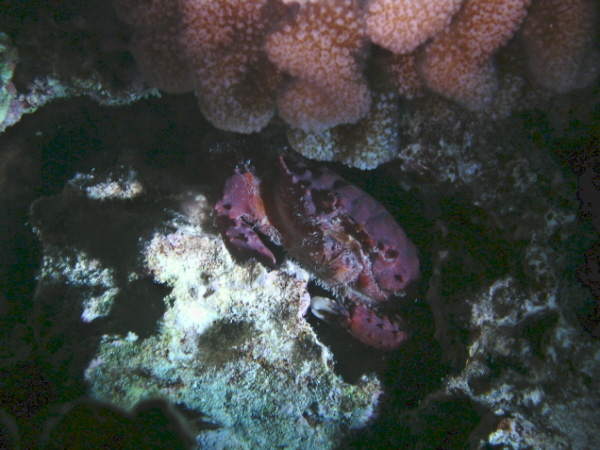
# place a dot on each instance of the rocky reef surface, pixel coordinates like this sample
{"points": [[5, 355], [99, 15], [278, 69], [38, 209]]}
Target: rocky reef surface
{"points": [[119, 301], [229, 342]]}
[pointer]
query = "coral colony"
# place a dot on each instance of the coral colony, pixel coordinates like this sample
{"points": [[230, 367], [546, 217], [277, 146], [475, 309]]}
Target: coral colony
{"points": [[307, 61]]}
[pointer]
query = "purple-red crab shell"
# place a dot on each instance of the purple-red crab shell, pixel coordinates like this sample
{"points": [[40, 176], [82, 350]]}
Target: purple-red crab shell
{"points": [[349, 241]]}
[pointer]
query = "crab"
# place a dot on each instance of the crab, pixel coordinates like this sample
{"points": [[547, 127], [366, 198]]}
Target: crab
{"points": [[343, 236]]}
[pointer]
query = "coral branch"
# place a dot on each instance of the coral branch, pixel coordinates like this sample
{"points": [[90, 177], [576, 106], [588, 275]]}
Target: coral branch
{"points": [[320, 46], [458, 62], [234, 81]]}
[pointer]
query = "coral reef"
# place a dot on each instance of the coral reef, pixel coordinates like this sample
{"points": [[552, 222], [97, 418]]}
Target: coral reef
{"points": [[335, 73], [498, 288], [138, 297], [522, 337], [229, 342], [310, 61]]}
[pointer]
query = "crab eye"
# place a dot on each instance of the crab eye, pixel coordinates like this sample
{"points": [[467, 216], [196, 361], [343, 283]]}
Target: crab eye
{"points": [[390, 255], [329, 200]]}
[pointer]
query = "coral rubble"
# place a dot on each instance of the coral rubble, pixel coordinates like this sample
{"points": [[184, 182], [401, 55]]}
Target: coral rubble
{"points": [[525, 364], [9, 112], [529, 367], [230, 343]]}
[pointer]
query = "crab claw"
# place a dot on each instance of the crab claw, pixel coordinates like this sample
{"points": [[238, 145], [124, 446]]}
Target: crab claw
{"points": [[239, 211], [363, 323], [328, 310]]}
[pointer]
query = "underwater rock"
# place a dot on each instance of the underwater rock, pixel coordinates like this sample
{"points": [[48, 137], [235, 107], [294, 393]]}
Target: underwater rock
{"points": [[503, 289], [49, 53], [148, 303], [8, 104], [530, 371]]}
